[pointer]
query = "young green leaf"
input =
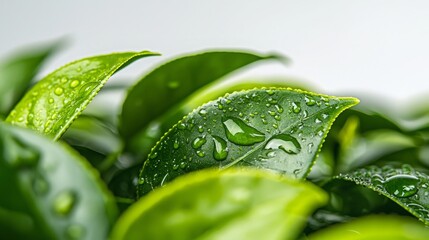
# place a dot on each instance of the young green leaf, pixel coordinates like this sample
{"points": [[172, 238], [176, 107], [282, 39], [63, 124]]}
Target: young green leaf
{"points": [[17, 72], [49, 191], [172, 82], [277, 129], [405, 186], [231, 204], [54, 102], [375, 227]]}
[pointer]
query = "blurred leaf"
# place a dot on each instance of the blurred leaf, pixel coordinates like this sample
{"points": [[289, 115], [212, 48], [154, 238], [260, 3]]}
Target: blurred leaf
{"points": [[56, 101], [171, 83], [277, 129], [405, 186], [232, 204], [17, 72], [49, 192], [91, 137], [375, 227]]}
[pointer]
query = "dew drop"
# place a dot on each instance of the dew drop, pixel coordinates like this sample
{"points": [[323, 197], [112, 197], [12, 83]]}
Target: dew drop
{"points": [[153, 155], [40, 185], [74, 83], [402, 185], [285, 143], [58, 91], [220, 149], [198, 142], [309, 101], [296, 107], [176, 144], [200, 129], [141, 181], [317, 120], [270, 92], [200, 153], [51, 100], [64, 203], [203, 112], [240, 133]]}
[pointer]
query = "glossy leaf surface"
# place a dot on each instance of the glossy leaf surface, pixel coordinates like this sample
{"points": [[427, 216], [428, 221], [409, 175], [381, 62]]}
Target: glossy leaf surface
{"points": [[50, 192], [171, 83], [54, 102], [277, 129], [17, 72], [375, 227], [406, 186], [231, 204]]}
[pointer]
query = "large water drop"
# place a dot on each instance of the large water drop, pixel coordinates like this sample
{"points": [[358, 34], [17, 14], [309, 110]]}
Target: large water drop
{"points": [[240, 133]]}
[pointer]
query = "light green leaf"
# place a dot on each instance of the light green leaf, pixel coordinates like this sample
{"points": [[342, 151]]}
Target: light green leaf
{"points": [[49, 191], [404, 185], [171, 83], [232, 204], [277, 129], [54, 102], [375, 227], [18, 71]]}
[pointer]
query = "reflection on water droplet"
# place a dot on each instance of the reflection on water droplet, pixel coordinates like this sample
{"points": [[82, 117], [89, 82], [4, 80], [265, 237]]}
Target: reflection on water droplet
{"points": [[200, 129], [402, 185], [296, 107], [153, 155], [201, 153], [203, 112], [141, 181], [74, 83], [240, 133], [58, 91], [198, 142], [220, 149], [176, 144], [51, 100], [270, 92], [285, 143], [64, 203], [75, 232], [317, 120], [309, 101]]}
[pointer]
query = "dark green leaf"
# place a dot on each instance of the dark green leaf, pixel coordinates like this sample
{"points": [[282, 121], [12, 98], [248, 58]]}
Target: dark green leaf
{"points": [[18, 71], [172, 82], [405, 186], [49, 192], [277, 129], [232, 204], [375, 227], [54, 102]]}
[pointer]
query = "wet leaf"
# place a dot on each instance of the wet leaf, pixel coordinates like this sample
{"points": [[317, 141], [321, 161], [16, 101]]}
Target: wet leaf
{"points": [[375, 227], [17, 72], [171, 83], [277, 129], [231, 204], [404, 185], [49, 191], [54, 102]]}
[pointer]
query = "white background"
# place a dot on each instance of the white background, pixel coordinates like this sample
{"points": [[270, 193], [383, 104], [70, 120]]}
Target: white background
{"points": [[376, 47]]}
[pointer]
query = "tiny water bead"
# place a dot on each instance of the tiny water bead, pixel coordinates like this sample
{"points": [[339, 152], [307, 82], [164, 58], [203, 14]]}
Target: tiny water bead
{"points": [[198, 142], [64, 203], [220, 149], [74, 83], [58, 91], [309, 101], [296, 107], [402, 185], [240, 133]]}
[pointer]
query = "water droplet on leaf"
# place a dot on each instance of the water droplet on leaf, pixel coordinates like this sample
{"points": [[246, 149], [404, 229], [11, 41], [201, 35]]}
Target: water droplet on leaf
{"points": [[64, 203], [58, 91], [198, 142], [240, 133], [402, 185], [285, 143], [220, 149]]}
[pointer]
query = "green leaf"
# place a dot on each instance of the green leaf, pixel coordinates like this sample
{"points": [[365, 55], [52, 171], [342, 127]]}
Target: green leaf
{"points": [[171, 83], [18, 71], [50, 192], [375, 227], [405, 186], [231, 204], [54, 102], [277, 129]]}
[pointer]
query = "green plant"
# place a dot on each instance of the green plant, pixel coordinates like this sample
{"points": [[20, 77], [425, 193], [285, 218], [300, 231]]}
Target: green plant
{"points": [[247, 155]]}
